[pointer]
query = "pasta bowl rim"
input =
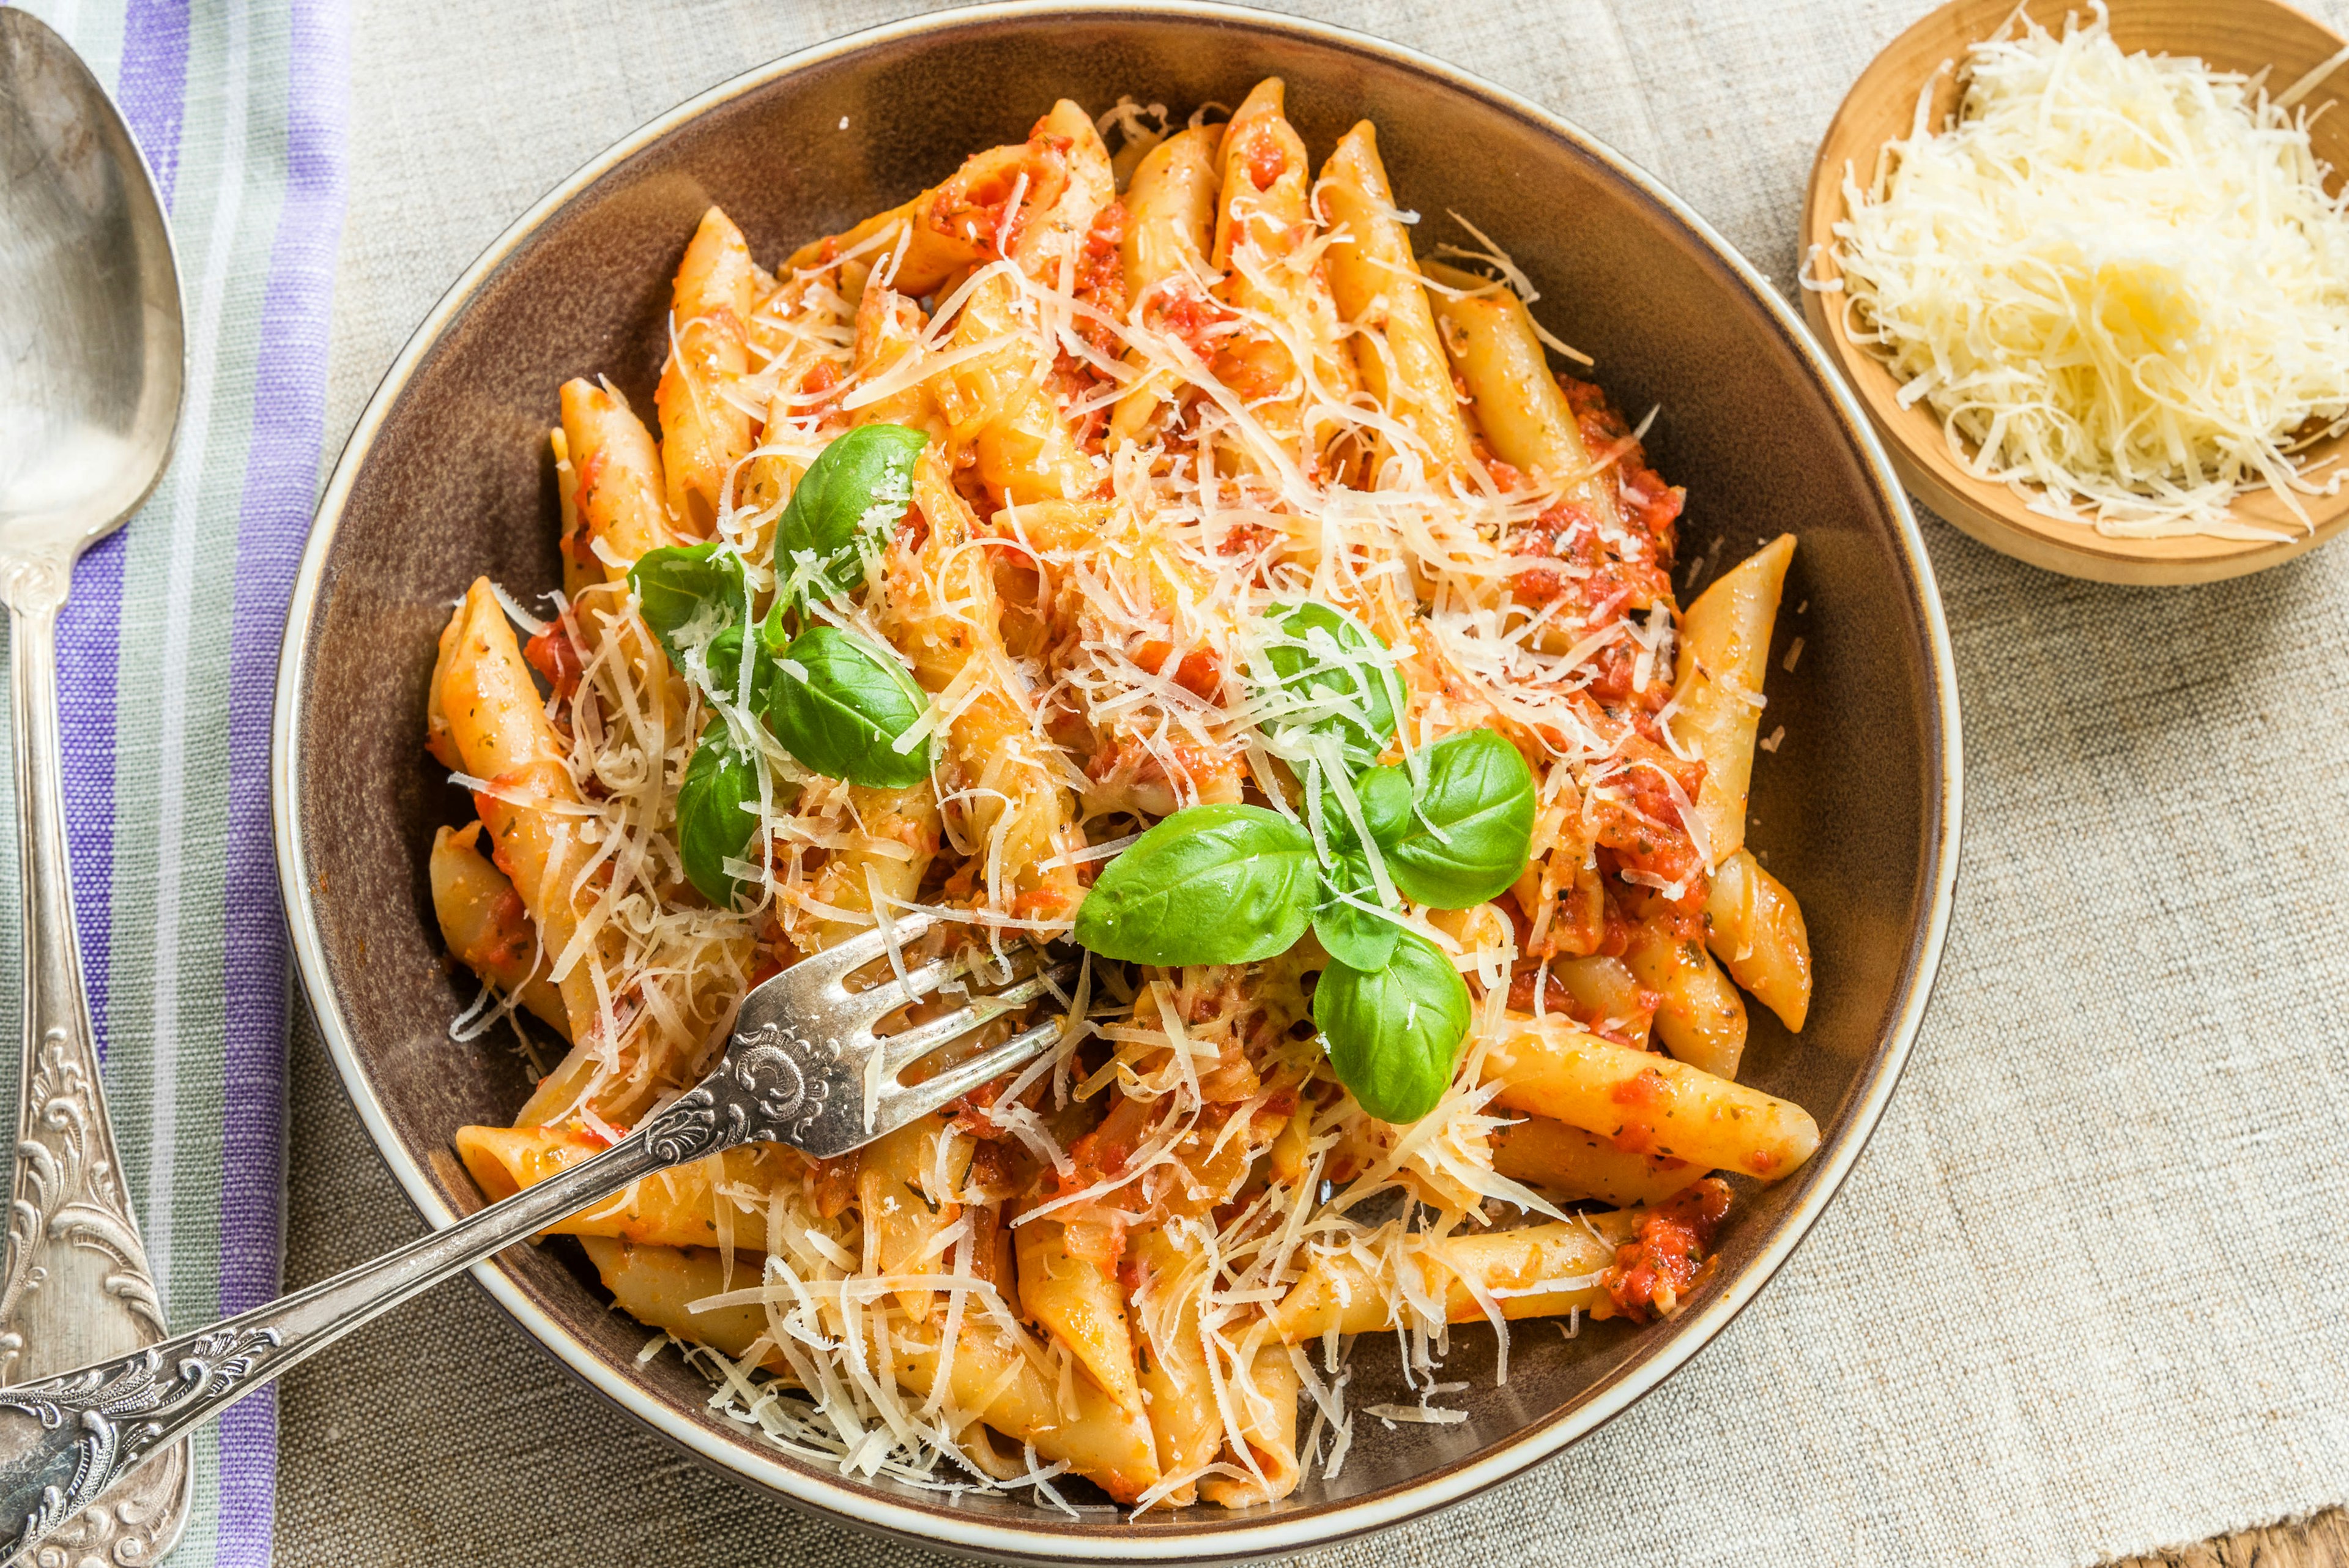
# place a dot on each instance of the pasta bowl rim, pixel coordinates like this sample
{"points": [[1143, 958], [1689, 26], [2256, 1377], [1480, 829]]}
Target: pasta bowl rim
{"points": [[1197, 1536], [1884, 96]]}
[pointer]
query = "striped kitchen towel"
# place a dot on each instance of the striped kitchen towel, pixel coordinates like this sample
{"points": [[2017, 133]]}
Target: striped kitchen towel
{"points": [[168, 659]]}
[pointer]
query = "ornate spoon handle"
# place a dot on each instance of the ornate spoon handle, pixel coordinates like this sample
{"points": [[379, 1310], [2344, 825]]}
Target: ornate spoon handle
{"points": [[66, 1439], [77, 1287]]}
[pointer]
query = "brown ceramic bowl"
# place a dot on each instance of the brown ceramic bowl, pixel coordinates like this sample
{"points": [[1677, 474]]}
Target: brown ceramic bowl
{"points": [[447, 476], [2246, 35]]}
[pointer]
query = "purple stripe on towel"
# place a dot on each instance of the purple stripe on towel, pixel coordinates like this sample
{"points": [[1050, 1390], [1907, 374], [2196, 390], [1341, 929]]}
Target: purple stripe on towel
{"points": [[280, 488], [153, 87], [153, 91]]}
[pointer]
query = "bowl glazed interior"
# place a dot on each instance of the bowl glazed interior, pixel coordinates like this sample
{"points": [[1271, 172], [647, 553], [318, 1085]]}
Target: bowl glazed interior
{"points": [[449, 476]]}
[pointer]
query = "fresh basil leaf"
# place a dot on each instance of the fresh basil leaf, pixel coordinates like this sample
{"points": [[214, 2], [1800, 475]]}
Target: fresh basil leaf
{"points": [[1392, 1032], [678, 584], [843, 509], [1333, 678], [839, 706], [1211, 884], [717, 811], [1472, 827], [724, 658], [1349, 932]]}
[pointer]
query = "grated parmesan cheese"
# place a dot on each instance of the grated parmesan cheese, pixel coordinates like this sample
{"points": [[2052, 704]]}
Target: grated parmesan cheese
{"points": [[2116, 278]]}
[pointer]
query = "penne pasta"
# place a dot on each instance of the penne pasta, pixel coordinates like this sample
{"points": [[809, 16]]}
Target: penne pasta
{"points": [[1523, 413], [1080, 1305], [1376, 284], [705, 432], [499, 731], [1698, 1012], [1283, 357], [664, 1287], [1263, 1444], [1645, 1103], [1170, 228], [678, 1207], [1176, 1381], [487, 929], [1756, 928], [617, 483], [1571, 1164], [1725, 652], [1539, 1270]]}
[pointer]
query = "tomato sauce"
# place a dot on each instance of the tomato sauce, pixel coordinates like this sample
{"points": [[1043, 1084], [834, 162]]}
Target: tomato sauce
{"points": [[1654, 1271], [556, 658]]}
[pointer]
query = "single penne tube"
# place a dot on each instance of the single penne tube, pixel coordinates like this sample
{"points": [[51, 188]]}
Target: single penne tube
{"points": [[906, 1185], [889, 329], [1019, 1394], [704, 431], [1376, 282], [1264, 223], [659, 1287], [1519, 405], [1015, 816], [1170, 212], [678, 1208], [1717, 698], [1605, 989], [1170, 227], [1077, 1302], [487, 930], [893, 837], [1536, 1270], [1571, 1164], [1756, 928], [1263, 1441], [498, 727], [620, 512], [1060, 220], [1645, 1103], [925, 254], [1024, 447], [1698, 1015], [1175, 1382]]}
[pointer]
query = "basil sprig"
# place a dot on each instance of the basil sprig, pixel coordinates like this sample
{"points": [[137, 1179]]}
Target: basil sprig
{"points": [[1234, 884], [1333, 677], [839, 705], [1393, 1031], [842, 511], [1211, 884], [717, 811]]}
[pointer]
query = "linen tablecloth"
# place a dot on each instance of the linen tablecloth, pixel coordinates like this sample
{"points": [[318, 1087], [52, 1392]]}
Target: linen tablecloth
{"points": [[2084, 1296], [168, 658]]}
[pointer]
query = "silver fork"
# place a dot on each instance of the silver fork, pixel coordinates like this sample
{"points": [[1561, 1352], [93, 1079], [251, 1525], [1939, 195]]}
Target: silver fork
{"points": [[806, 1066]]}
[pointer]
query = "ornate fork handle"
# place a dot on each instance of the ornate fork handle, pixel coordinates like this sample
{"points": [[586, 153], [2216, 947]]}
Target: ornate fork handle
{"points": [[826, 1090], [65, 1440]]}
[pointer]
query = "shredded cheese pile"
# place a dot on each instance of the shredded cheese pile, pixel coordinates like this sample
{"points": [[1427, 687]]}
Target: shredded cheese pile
{"points": [[2116, 278]]}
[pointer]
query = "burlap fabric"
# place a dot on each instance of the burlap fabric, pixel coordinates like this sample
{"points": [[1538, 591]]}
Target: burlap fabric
{"points": [[2085, 1295]]}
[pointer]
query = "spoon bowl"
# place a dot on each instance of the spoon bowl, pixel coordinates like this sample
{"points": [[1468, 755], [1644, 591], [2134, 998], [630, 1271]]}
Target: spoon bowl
{"points": [[90, 338]]}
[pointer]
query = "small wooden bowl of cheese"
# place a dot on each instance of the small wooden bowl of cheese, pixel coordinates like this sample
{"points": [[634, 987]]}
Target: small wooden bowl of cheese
{"points": [[2245, 37]]}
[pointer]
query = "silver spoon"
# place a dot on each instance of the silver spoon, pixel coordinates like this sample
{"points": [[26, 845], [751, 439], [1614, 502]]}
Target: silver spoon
{"points": [[91, 372]]}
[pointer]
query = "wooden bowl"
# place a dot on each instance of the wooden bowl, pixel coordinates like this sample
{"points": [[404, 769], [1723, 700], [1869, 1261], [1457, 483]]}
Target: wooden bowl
{"points": [[447, 475], [2245, 36]]}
